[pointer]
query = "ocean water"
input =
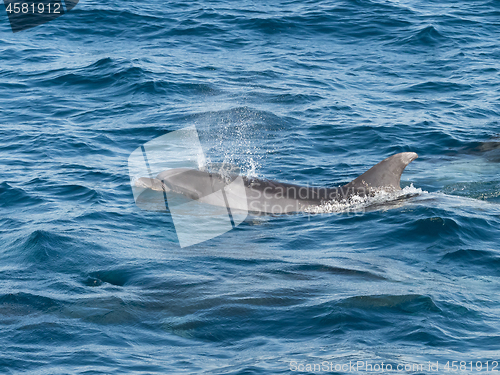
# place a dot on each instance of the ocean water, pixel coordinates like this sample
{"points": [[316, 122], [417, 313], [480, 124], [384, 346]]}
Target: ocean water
{"points": [[308, 92]]}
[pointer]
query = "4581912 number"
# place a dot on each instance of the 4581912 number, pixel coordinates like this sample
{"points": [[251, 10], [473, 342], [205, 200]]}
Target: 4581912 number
{"points": [[33, 8], [487, 366]]}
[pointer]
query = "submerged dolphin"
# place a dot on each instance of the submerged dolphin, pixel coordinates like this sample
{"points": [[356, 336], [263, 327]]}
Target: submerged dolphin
{"points": [[263, 196]]}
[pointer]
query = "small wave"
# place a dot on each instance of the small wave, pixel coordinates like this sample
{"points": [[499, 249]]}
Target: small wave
{"points": [[195, 30], [16, 197], [484, 262], [358, 203], [437, 227], [332, 270], [413, 303], [432, 87], [129, 75], [48, 250], [428, 36], [44, 246], [76, 192], [22, 304]]}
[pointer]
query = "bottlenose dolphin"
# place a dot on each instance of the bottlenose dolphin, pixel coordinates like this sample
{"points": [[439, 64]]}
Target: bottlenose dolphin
{"points": [[264, 196]]}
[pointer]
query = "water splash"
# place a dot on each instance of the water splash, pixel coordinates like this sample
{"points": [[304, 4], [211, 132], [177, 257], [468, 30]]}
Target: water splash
{"points": [[240, 136], [359, 204]]}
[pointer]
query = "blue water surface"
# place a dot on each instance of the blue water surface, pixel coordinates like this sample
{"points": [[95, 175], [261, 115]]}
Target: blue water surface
{"points": [[309, 92]]}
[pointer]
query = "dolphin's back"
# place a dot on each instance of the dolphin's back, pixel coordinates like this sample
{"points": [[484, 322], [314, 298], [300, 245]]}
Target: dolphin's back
{"points": [[274, 197]]}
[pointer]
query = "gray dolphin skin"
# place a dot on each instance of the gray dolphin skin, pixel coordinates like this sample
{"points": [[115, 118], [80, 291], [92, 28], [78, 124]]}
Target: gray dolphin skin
{"points": [[263, 196]]}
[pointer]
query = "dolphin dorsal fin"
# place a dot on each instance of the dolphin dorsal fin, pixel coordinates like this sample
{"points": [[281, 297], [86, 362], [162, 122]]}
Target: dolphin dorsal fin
{"points": [[385, 174]]}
